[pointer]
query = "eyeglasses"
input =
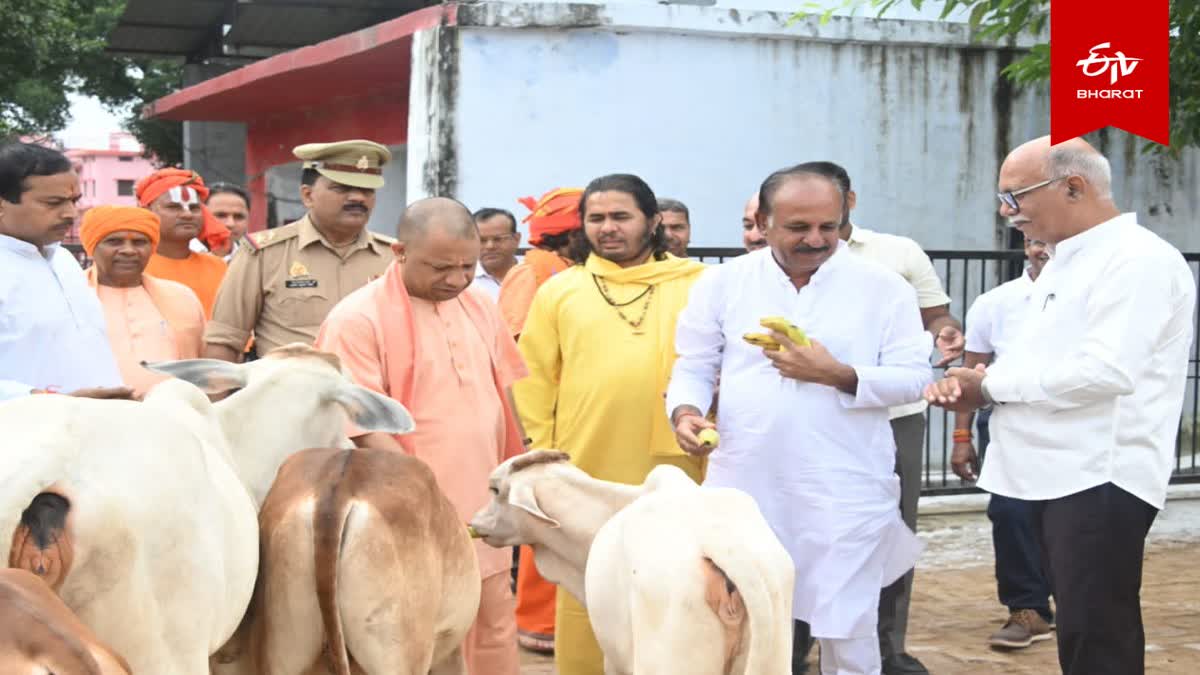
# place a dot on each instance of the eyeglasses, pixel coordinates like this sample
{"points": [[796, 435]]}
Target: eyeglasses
{"points": [[1009, 198]]}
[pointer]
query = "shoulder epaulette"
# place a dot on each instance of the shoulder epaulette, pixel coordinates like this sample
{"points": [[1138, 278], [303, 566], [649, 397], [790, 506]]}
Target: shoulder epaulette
{"points": [[384, 238], [259, 240]]}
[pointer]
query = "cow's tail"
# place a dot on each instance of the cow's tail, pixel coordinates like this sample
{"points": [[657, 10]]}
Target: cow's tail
{"points": [[33, 522], [329, 527], [767, 609]]}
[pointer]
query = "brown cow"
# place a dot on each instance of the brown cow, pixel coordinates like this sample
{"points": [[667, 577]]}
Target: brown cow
{"points": [[40, 634], [364, 567]]}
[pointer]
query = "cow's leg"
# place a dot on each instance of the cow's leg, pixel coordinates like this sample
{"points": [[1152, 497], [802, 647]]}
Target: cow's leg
{"points": [[292, 636]]}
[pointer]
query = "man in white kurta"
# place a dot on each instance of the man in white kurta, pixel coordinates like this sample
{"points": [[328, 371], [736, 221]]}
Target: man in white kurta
{"points": [[818, 459], [52, 333]]}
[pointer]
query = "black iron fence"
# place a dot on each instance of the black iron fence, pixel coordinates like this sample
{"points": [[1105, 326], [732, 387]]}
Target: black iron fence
{"points": [[968, 274]]}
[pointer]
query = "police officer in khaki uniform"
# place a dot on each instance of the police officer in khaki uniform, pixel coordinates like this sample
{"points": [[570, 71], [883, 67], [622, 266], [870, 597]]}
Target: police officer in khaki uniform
{"points": [[282, 282]]}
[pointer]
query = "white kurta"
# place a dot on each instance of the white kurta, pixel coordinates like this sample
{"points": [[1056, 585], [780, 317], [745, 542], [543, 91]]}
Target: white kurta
{"points": [[52, 332], [819, 462]]}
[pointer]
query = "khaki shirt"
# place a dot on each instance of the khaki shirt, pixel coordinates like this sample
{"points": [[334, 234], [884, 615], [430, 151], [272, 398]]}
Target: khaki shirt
{"points": [[905, 257], [282, 283]]}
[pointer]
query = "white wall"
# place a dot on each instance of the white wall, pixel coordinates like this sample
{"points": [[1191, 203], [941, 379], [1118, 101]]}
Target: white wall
{"points": [[704, 106]]}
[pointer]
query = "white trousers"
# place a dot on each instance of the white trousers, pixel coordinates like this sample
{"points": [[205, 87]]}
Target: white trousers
{"points": [[856, 656]]}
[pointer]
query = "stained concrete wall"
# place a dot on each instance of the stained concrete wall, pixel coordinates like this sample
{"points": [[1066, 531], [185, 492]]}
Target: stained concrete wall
{"points": [[704, 102]]}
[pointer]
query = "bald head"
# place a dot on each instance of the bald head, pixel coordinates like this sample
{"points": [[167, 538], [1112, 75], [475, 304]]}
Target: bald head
{"points": [[752, 237], [1074, 157], [1059, 190], [436, 214]]}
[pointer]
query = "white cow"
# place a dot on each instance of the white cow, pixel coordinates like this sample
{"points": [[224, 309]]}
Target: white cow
{"points": [[675, 578], [143, 515]]}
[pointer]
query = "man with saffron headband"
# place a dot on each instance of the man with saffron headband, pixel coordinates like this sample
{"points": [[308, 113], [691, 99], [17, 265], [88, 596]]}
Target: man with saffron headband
{"points": [[600, 343], [554, 231], [177, 197], [420, 336], [148, 319]]}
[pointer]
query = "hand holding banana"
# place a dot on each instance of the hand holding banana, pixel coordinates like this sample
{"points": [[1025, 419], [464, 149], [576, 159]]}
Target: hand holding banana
{"points": [[795, 355], [778, 324]]}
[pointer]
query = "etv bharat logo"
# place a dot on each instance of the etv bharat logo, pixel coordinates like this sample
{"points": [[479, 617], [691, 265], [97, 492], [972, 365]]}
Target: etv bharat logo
{"points": [[1097, 63]]}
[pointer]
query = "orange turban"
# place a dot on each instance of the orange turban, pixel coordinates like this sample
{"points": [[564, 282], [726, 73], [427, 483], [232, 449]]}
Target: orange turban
{"points": [[100, 221], [213, 232], [556, 212]]}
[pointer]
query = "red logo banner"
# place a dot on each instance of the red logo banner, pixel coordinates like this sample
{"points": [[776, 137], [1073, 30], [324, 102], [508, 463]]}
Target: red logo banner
{"points": [[1109, 66]]}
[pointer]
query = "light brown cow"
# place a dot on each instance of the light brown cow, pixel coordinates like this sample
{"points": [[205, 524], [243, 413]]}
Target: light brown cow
{"points": [[39, 634], [364, 567]]}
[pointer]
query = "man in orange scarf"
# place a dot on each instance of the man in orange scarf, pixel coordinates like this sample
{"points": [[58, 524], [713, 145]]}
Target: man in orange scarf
{"points": [[177, 197], [554, 229], [421, 337], [147, 319]]}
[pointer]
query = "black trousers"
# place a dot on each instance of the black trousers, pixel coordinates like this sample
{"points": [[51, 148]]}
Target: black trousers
{"points": [[1093, 543]]}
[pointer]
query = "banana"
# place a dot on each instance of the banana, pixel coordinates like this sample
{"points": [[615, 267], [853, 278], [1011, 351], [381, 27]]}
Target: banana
{"points": [[762, 340], [709, 438], [780, 324]]}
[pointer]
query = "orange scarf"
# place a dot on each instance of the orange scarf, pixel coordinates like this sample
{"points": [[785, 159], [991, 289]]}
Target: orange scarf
{"points": [[392, 300]]}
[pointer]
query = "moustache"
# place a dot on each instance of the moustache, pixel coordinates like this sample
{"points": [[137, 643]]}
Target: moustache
{"points": [[807, 249], [355, 207]]}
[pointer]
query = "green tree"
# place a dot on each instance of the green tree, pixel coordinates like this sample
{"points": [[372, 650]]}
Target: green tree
{"points": [[50, 49], [1004, 20]]}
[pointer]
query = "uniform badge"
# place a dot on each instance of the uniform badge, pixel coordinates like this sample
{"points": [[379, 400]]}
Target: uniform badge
{"points": [[298, 277], [363, 163]]}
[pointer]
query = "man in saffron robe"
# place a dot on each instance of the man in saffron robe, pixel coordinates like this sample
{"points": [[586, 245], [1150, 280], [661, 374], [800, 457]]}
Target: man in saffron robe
{"points": [[177, 197], [148, 319], [555, 231], [420, 336], [599, 344]]}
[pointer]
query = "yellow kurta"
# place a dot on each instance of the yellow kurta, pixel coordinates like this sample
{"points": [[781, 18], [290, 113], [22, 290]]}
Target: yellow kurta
{"points": [[595, 391]]}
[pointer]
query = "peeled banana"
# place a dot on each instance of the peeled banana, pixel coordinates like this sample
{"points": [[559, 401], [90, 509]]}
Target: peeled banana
{"points": [[708, 438], [780, 324]]}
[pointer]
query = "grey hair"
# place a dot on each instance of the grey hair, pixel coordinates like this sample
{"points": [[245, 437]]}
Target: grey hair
{"points": [[668, 204], [1085, 163]]}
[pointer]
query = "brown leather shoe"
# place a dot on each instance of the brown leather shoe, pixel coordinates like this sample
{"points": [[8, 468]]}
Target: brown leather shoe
{"points": [[1023, 628]]}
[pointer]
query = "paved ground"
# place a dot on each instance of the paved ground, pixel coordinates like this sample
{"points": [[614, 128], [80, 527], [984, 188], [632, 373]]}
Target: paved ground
{"points": [[954, 603]]}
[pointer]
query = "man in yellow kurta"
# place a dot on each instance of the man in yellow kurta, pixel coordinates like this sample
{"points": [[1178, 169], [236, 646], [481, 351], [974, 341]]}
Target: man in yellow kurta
{"points": [[599, 344]]}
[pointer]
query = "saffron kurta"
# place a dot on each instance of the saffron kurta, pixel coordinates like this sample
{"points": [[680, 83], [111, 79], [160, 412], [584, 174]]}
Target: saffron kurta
{"points": [[819, 462], [595, 390], [158, 320], [449, 364]]}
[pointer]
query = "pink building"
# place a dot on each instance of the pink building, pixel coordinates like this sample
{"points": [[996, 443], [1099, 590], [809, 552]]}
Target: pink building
{"points": [[108, 176]]}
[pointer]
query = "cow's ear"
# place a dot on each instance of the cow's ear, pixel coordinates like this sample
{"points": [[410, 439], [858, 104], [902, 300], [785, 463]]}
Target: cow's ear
{"points": [[521, 495], [371, 411], [212, 376]]}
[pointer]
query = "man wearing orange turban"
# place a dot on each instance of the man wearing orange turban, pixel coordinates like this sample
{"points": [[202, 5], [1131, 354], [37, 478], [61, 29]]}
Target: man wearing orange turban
{"points": [[147, 318], [177, 196], [553, 227]]}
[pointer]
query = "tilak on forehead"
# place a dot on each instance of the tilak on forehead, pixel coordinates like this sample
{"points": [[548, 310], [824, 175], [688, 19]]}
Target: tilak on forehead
{"points": [[184, 188], [183, 195]]}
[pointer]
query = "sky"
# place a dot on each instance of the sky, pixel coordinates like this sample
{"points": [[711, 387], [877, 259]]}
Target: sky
{"points": [[90, 124]]}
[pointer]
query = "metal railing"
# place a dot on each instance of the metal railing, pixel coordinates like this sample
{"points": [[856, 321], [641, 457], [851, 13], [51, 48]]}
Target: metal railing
{"points": [[968, 274]]}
